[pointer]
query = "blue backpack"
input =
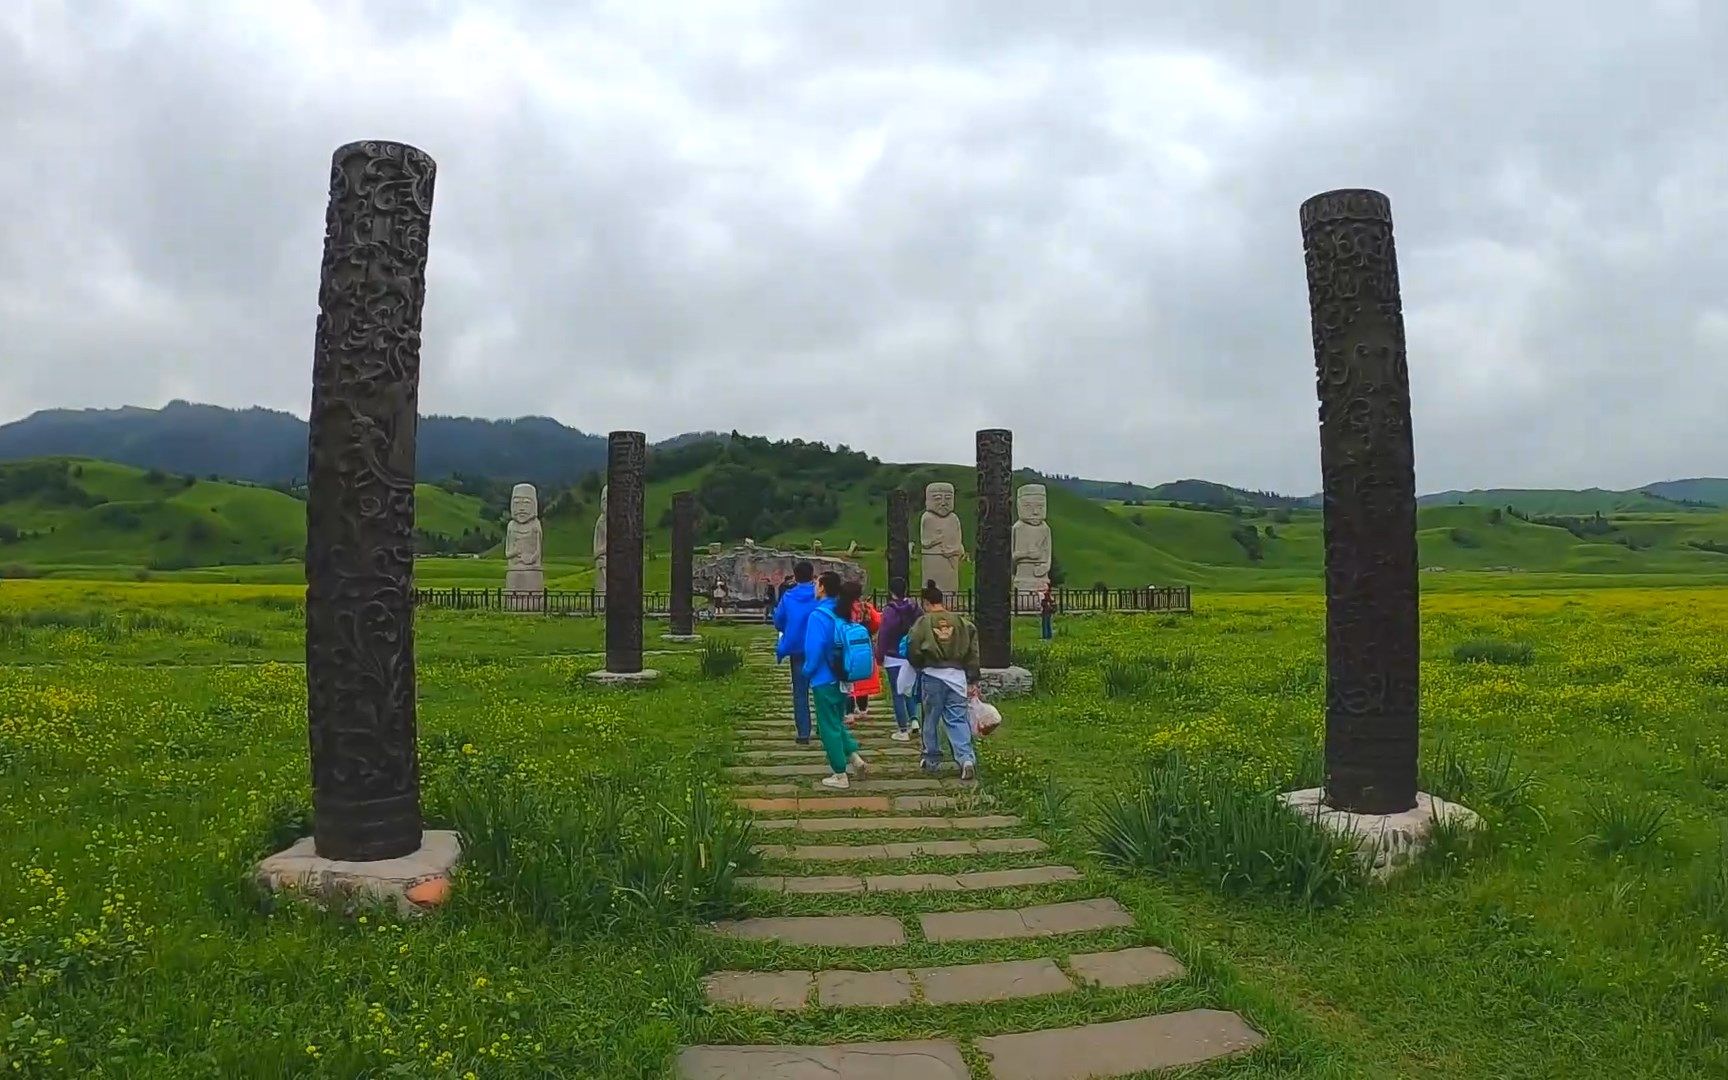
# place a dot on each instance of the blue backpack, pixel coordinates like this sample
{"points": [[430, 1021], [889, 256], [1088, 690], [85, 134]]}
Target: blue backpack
{"points": [[853, 659], [905, 642]]}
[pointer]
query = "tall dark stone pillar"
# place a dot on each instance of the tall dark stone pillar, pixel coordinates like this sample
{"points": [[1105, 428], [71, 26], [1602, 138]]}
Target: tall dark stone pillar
{"points": [[993, 576], [1368, 470], [683, 568], [626, 454], [899, 539], [360, 504]]}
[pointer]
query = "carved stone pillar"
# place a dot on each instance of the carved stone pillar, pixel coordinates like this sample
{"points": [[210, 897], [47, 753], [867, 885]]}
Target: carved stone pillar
{"points": [[992, 578], [360, 504], [1368, 472], [683, 623], [626, 454], [899, 539]]}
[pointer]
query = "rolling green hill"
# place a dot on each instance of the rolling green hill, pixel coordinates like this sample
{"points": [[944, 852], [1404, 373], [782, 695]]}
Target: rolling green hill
{"points": [[91, 518], [1543, 501], [69, 512]]}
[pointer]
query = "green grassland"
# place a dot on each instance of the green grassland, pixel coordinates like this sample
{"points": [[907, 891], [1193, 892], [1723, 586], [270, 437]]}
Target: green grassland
{"points": [[152, 746], [205, 530]]}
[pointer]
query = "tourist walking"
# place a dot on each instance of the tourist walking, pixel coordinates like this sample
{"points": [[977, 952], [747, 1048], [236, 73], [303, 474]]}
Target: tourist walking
{"points": [[791, 615], [835, 604], [897, 619], [943, 646], [858, 703], [1046, 613]]}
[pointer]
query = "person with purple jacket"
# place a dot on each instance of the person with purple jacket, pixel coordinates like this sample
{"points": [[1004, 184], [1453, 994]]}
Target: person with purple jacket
{"points": [[897, 620]]}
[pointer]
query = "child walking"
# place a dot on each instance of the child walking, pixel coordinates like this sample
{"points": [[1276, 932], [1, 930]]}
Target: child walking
{"points": [[858, 705], [835, 604]]}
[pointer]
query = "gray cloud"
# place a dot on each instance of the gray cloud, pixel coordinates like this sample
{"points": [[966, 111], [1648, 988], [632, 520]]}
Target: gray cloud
{"points": [[890, 226]]}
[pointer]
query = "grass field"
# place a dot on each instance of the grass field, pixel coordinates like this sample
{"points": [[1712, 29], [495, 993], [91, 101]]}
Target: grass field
{"points": [[152, 746]]}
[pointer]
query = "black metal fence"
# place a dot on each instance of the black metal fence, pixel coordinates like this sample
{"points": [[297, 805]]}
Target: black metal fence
{"points": [[1175, 598]]}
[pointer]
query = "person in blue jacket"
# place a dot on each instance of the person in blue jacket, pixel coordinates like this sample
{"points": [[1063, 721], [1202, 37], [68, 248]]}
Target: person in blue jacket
{"points": [[791, 615], [836, 604]]}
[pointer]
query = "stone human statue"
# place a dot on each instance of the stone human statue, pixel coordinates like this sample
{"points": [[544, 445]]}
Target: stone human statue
{"points": [[1031, 543], [939, 538], [523, 550], [600, 544], [816, 547]]}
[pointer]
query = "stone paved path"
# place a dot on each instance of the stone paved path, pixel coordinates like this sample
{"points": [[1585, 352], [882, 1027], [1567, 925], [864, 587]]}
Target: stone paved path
{"points": [[897, 815]]}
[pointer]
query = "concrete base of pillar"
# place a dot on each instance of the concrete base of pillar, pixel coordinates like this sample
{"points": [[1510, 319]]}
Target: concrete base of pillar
{"points": [[682, 639], [624, 678], [1004, 682], [415, 882], [1385, 843]]}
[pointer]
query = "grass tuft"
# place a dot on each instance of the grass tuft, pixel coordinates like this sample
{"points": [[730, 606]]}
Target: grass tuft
{"points": [[1199, 820], [1619, 825], [720, 659], [1494, 651]]}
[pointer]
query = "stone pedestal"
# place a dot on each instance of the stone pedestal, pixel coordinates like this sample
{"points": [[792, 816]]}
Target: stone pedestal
{"points": [[1385, 843], [415, 882], [624, 678], [682, 639], [1004, 682]]}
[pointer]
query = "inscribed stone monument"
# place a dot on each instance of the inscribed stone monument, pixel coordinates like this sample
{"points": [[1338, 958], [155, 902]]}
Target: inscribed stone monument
{"points": [[626, 457], [1032, 547], [1367, 466], [524, 571], [367, 833], [939, 539], [993, 581]]}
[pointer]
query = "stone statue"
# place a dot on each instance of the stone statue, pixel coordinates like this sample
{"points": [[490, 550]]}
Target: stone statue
{"points": [[852, 549], [1031, 542], [522, 543], [816, 546], [939, 538], [600, 544]]}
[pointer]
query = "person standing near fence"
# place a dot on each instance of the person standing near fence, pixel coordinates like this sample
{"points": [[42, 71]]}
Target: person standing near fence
{"points": [[943, 646], [791, 616], [1046, 613]]}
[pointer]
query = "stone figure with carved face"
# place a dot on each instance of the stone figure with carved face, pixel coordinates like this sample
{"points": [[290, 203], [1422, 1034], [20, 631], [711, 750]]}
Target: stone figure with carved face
{"points": [[939, 538], [523, 552], [1032, 548], [600, 544]]}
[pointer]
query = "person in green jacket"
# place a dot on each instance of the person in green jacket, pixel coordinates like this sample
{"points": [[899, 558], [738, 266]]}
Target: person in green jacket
{"points": [[943, 649]]}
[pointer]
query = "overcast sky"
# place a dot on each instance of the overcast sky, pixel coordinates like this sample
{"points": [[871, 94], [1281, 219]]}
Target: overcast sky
{"points": [[891, 224]]}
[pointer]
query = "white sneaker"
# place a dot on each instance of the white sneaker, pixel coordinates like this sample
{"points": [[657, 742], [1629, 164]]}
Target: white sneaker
{"points": [[915, 728], [857, 762], [839, 782], [901, 736]]}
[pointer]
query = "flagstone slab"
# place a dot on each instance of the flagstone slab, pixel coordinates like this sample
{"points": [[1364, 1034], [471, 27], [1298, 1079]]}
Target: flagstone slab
{"points": [[845, 930], [804, 753], [1006, 879], [915, 803], [820, 768], [1126, 967], [865, 852], [1011, 845], [879, 803], [758, 989], [820, 883], [1001, 981], [896, 824], [1043, 920], [925, 1059], [1119, 1048], [843, 989]]}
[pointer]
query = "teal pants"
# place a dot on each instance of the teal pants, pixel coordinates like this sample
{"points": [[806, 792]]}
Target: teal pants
{"points": [[837, 740]]}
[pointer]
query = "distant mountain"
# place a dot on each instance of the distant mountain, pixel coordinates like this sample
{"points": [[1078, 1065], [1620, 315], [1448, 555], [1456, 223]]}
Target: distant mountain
{"points": [[1103, 490], [1206, 493], [1668, 496], [1710, 490], [269, 447]]}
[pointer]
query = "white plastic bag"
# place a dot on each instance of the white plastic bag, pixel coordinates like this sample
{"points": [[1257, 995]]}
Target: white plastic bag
{"points": [[984, 717]]}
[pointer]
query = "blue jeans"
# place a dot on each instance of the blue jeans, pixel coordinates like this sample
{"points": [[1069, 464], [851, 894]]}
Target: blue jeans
{"points": [[905, 707], [800, 696], [945, 710], [1045, 620]]}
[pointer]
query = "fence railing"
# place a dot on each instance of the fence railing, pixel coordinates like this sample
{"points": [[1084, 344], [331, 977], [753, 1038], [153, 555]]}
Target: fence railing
{"points": [[1175, 598]]}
